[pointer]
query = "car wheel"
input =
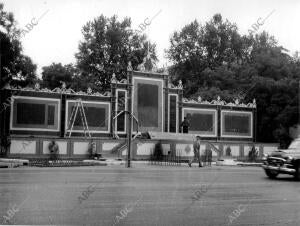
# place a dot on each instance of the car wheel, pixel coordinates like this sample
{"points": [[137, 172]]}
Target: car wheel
{"points": [[297, 174], [271, 174]]}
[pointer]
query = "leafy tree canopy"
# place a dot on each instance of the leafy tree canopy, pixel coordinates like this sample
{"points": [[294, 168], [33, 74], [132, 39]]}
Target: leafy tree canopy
{"points": [[16, 68], [107, 47], [215, 60], [56, 73]]}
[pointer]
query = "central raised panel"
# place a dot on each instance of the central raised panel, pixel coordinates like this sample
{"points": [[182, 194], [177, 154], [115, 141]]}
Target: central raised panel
{"points": [[147, 106], [148, 103]]}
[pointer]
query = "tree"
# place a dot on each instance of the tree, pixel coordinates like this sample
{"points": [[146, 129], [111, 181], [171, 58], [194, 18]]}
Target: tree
{"points": [[215, 60], [56, 73], [16, 68], [107, 48], [196, 49]]}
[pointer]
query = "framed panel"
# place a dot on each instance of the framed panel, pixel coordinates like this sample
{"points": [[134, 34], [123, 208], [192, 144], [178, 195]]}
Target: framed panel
{"points": [[236, 124], [23, 147], [97, 116], [203, 122], [173, 113], [62, 145], [35, 114], [148, 103], [121, 105]]}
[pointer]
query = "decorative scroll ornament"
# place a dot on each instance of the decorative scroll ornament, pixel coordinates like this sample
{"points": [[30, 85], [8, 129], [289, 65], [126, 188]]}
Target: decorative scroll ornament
{"points": [[123, 81], [46, 90], [254, 103], [148, 64], [63, 86], [180, 86], [37, 86], [171, 86], [129, 66], [89, 91], [113, 78], [60, 90], [220, 102], [166, 71]]}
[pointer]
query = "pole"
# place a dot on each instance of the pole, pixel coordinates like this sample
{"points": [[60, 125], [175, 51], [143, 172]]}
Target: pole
{"points": [[129, 134]]}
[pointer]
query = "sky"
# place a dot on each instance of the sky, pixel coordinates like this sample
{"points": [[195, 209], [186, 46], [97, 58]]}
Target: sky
{"points": [[58, 23]]}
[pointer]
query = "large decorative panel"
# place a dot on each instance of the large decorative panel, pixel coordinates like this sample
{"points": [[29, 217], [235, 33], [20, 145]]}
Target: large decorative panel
{"points": [[97, 116], [80, 148], [184, 150], [35, 114], [62, 146], [248, 148], [202, 121], [148, 103], [231, 150], [236, 124], [145, 148], [23, 147]]}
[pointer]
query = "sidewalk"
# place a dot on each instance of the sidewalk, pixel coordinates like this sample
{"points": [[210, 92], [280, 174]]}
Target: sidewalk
{"points": [[10, 163], [232, 162]]}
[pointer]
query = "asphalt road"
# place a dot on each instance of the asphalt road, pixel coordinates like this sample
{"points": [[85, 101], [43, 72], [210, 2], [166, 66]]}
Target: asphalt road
{"points": [[147, 195]]}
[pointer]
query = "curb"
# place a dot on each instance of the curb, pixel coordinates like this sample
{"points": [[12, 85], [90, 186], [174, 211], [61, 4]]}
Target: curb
{"points": [[12, 163], [9, 165], [250, 164]]}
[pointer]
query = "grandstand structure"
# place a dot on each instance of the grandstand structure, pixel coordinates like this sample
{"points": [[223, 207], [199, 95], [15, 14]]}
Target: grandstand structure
{"points": [[156, 107]]}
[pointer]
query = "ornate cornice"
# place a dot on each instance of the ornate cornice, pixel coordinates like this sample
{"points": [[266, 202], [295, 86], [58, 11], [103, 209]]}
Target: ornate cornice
{"points": [[114, 80], [62, 90], [179, 86], [220, 102]]}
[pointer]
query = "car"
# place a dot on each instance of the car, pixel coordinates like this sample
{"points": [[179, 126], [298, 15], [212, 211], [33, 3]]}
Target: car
{"points": [[283, 161]]}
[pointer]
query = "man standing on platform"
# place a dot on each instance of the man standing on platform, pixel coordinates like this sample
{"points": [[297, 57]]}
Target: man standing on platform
{"points": [[196, 157], [185, 125]]}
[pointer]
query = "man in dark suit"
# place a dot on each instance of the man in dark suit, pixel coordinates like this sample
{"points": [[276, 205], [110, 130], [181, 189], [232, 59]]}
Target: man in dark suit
{"points": [[185, 125]]}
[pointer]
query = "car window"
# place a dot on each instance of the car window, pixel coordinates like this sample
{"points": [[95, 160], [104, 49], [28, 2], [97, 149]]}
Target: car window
{"points": [[295, 145]]}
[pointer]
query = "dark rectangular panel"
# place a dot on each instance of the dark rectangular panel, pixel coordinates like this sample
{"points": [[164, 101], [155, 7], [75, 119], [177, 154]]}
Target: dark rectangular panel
{"points": [[147, 105], [173, 113], [237, 124], [121, 100], [30, 113], [121, 123], [95, 117], [121, 107], [51, 116], [200, 122]]}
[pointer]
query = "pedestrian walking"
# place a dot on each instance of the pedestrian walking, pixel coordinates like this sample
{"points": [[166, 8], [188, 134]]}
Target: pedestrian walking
{"points": [[196, 157]]}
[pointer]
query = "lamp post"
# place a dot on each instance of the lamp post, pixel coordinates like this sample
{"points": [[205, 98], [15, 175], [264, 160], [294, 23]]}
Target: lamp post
{"points": [[129, 114]]}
